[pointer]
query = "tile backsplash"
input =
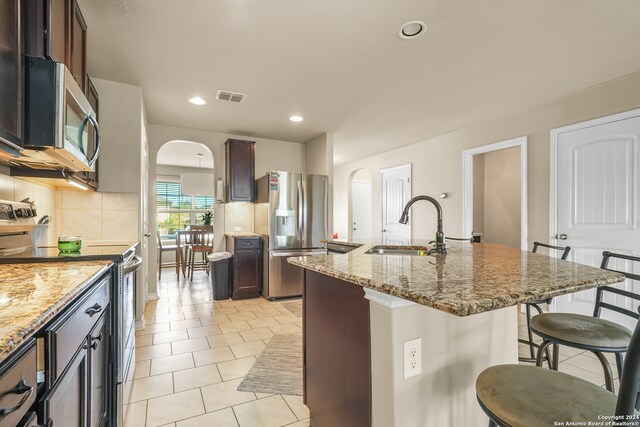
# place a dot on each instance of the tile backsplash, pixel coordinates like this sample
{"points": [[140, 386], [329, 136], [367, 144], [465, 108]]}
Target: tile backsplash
{"points": [[91, 215], [238, 217]]}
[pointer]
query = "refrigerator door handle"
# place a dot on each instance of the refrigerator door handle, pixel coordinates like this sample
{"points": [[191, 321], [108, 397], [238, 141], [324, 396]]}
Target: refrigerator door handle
{"points": [[299, 208]]}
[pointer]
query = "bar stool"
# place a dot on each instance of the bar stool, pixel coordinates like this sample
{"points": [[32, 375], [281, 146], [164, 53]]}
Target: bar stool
{"points": [[527, 396], [162, 249], [591, 332], [536, 304]]}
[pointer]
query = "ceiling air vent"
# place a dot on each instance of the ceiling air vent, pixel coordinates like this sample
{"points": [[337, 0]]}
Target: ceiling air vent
{"points": [[225, 95]]}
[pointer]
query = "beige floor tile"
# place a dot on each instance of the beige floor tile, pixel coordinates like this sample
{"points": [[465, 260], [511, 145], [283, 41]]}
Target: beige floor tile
{"points": [[267, 312], [188, 346], [185, 324], [153, 351], [289, 328], [204, 331], [214, 355], [302, 423], [263, 323], [591, 364], [247, 349], [263, 395], [597, 379], [218, 319], [196, 377], [235, 368], [224, 395], [234, 327], [164, 318], [147, 388], [170, 336], [142, 369], [221, 418], [177, 406], [249, 307], [152, 329], [144, 340], [225, 310], [269, 412], [256, 334], [225, 339], [136, 414], [168, 425], [197, 314], [297, 406], [288, 318], [171, 363], [247, 315]]}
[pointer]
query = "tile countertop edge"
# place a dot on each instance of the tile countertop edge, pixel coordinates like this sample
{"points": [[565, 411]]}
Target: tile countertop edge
{"points": [[11, 343], [462, 309]]}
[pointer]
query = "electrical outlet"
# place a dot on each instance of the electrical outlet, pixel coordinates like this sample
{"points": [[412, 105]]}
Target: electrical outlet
{"points": [[237, 228], [412, 358]]}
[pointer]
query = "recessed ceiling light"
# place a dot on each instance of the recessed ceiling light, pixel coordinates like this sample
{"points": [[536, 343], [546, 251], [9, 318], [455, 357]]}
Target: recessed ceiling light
{"points": [[412, 29], [196, 100], [296, 118]]}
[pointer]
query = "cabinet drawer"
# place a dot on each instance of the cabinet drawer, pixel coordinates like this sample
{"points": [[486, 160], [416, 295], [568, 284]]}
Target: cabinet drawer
{"points": [[67, 333], [18, 387], [244, 243]]}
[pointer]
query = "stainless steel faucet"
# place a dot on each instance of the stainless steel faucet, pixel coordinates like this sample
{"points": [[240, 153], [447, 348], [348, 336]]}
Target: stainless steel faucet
{"points": [[440, 246]]}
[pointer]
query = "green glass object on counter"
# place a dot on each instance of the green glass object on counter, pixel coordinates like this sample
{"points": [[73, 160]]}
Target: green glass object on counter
{"points": [[69, 244]]}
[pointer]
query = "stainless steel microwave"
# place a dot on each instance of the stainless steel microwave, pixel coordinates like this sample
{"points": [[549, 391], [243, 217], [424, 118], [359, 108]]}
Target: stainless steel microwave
{"points": [[60, 126]]}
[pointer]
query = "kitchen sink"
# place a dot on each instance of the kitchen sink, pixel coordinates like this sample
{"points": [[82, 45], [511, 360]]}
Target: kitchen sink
{"points": [[399, 250]]}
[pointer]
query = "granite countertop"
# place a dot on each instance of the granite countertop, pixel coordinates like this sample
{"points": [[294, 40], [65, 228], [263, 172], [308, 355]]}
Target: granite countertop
{"points": [[342, 242], [242, 234], [31, 294], [470, 279], [91, 251]]}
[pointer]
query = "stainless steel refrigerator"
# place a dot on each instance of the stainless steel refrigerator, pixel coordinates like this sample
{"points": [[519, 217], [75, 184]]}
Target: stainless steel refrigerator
{"points": [[291, 216]]}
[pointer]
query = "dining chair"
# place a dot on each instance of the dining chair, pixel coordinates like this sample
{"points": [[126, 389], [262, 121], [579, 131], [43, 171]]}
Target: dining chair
{"points": [[201, 243], [162, 248], [183, 242], [536, 304], [529, 396], [591, 333]]}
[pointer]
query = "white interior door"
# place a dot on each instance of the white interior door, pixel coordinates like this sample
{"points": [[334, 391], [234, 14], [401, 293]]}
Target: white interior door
{"points": [[597, 201], [361, 210], [396, 192]]}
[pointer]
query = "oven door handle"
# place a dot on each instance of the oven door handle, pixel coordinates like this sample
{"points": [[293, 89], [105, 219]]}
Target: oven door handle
{"points": [[132, 265]]}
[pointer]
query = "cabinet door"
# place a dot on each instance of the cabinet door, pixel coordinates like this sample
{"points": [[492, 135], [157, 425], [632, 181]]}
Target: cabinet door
{"points": [[77, 45], [10, 72], [247, 274], [240, 173], [56, 31], [99, 372], [65, 405]]}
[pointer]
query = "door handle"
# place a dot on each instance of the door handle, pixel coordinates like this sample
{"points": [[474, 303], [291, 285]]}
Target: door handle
{"points": [[561, 236], [384, 230], [147, 234]]}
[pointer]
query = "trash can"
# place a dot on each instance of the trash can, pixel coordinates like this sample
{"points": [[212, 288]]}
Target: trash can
{"points": [[220, 263]]}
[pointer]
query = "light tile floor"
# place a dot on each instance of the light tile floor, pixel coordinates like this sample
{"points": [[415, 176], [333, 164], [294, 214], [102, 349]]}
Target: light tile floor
{"points": [[195, 351]]}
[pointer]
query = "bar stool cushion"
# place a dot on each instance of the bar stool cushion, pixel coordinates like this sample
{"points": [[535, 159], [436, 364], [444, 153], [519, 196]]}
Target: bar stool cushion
{"points": [[526, 396], [582, 330]]}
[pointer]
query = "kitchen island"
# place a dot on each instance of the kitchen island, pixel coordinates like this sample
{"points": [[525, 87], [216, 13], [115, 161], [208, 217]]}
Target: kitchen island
{"points": [[360, 309]]}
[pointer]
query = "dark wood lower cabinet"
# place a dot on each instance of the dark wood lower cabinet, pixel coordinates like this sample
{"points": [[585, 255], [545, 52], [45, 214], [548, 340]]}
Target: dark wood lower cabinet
{"points": [[99, 392], [337, 352], [247, 266], [65, 405]]}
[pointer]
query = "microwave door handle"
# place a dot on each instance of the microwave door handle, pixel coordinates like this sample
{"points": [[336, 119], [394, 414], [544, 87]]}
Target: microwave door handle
{"points": [[96, 130]]}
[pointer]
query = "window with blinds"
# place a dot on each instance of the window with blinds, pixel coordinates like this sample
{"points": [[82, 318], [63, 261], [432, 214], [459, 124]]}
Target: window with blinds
{"points": [[176, 211]]}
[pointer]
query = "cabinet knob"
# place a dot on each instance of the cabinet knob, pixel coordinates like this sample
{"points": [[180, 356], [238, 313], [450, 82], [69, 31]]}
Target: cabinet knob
{"points": [[92, 346]]}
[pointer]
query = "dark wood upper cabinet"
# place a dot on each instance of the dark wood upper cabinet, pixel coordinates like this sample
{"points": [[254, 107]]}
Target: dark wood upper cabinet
{"points": [[56, 29], [240, 162], [10, 73]]}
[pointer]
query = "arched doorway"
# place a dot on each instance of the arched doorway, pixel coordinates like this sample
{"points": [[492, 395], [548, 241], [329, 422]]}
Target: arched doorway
{"points": [[184, 192], [360, 208]]}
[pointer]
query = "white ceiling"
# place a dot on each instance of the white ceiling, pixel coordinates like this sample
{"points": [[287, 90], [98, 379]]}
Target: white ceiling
{"points": [[184, 153], [342, 66]]}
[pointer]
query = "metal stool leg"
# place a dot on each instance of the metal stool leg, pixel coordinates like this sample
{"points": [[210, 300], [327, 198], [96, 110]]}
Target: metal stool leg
{"points": [[619, 363], [529, 333], [556, 356], [542, 349], [492, 424], [608, 376]]}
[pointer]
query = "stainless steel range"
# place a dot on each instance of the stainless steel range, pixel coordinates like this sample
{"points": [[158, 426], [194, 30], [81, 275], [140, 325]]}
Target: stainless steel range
{"points": [[17, 227]]}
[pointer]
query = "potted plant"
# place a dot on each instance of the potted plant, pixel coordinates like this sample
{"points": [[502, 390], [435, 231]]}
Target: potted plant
{"points": [[207, 217]]}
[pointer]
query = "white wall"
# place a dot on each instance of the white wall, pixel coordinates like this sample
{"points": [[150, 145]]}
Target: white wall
{"points": [[478, 193], [502, 197], [437, 162], [319, 161]]}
